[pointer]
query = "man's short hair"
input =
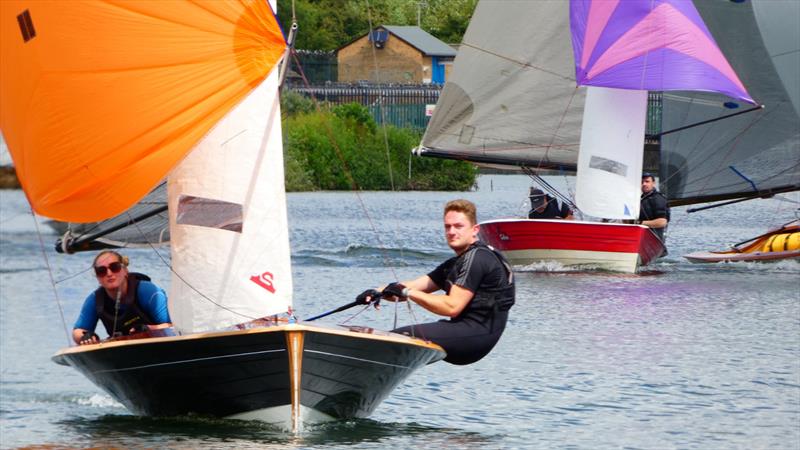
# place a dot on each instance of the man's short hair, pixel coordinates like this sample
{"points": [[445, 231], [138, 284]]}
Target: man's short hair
{"points": [[648, 175], [465, 207]]}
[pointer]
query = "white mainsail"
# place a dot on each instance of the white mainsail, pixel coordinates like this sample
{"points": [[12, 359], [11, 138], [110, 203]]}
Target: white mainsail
{"points": [[228, 221], [611, 153]]}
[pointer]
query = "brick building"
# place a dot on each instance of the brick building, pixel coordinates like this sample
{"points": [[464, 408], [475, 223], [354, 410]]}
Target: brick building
{"points": [[404, 54]]}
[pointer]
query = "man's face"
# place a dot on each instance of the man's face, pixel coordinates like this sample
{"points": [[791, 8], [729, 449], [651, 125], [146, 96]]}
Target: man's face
{"points": [[459, 231], [648, 184]]}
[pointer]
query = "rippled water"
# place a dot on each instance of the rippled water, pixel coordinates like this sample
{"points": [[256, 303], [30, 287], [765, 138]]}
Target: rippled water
{"points": [[680, 356]]}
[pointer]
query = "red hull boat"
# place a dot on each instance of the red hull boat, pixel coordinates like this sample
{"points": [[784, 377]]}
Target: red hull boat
{"points": [[572, 243]]}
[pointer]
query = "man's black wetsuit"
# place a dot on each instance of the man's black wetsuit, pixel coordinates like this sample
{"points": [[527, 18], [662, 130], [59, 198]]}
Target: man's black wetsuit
{"points": [[654, 206], [551, 210], [472, 334]]}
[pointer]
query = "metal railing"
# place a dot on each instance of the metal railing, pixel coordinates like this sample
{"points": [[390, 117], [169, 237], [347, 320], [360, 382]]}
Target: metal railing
{"points": [[404, 106]]}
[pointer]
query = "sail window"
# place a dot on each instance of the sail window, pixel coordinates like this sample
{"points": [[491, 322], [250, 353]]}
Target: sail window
{"points": [[26, 26], [467, 131], [608, 165], [206, 212]]}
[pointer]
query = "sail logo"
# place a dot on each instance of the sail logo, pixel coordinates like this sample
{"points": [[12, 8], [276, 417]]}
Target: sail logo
{"points": [[264, 280], [26, 26]]}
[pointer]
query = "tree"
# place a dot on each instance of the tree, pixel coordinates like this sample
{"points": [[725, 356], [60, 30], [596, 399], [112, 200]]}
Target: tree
{"points": [[329, 24]]}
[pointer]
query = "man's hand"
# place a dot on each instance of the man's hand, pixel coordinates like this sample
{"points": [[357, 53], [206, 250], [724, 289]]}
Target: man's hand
{"points": [[395, 290], [369, 296]]}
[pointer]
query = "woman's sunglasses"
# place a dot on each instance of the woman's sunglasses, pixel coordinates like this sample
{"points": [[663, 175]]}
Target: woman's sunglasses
{"points": [[114, 267]]}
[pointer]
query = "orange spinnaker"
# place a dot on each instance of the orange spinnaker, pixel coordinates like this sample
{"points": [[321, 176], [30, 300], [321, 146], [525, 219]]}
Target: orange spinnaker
{"points": [[105, 97]]}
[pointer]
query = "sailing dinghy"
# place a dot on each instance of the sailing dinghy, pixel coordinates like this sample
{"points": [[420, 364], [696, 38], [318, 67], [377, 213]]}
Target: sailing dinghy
{"points": [[779, 244], [100, 101], [513, 102], [717, 150]]}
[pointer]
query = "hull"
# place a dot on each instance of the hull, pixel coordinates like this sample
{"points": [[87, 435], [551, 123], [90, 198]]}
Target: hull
{"points": [[284, 374], [783, 243], [572, 243], [732, 256]]}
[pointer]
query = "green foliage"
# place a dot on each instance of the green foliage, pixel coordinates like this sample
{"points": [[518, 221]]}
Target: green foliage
{"points": [[343, 149], [329, 24], [293, 103], [356, 115]]}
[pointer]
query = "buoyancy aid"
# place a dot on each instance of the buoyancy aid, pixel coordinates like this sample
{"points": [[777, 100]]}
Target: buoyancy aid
{"points": [[490, 300], [132, 317]]}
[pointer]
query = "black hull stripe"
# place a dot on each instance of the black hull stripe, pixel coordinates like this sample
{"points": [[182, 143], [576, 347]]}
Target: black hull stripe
{"points": [[185, 361]]}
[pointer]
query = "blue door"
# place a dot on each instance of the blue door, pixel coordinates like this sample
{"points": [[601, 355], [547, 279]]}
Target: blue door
{"points": [[437, 71]]}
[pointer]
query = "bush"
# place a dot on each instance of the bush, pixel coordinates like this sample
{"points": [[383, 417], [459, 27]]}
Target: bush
{"points": [[343, 148]]}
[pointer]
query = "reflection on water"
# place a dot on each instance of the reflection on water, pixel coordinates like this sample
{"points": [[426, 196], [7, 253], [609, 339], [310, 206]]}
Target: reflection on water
{"points": [[193, 432], [679, 356]]}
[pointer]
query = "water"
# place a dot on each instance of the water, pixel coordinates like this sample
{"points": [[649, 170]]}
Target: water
{"points": [[681, 356]]}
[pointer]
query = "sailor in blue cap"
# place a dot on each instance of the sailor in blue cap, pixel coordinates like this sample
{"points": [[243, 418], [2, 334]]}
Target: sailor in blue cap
{"points": [[653, 210]]}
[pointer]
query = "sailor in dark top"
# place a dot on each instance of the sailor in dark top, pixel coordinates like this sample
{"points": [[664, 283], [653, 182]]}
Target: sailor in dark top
{"points": [[545, 207], [479, 291], [653, 210], [126, 302]]}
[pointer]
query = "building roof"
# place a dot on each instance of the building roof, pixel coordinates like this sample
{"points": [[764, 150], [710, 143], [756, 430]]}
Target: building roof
{"points": [[415, 37], [421, 40]]}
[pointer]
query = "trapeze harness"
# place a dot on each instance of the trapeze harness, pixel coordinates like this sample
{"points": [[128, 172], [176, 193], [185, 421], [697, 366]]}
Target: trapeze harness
{"points": [[472, 334], [132, 317]]}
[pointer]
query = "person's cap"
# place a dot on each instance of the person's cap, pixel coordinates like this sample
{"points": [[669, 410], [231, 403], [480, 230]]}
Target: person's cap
{"points": [[648, 175], [535, 192]]}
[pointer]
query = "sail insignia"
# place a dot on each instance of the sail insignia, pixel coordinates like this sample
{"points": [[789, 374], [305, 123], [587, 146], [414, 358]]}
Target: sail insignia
{"points": [[26, 26]]}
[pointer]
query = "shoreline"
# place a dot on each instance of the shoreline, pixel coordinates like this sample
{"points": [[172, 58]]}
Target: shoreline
{"points": [[8, 178]]}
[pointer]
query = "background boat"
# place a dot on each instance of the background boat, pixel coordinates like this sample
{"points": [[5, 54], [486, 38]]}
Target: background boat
{"points": [[515, 101], [775, 245], [717, 150]]}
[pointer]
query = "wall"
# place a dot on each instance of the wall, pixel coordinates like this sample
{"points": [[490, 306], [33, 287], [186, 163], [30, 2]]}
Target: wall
{"points": [[397, 62]]}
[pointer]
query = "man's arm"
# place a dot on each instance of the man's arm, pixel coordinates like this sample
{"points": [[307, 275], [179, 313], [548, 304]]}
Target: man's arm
{"points": [[423, 283], [449, 305], [660, 222]]}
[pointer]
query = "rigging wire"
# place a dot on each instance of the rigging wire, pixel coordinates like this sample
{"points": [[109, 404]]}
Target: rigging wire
{"points": [[380, 100], [52, 281]]}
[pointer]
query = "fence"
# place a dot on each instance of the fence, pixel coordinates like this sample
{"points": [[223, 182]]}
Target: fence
{"points": [[317, 66], [404, 106], [653, 126]]}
